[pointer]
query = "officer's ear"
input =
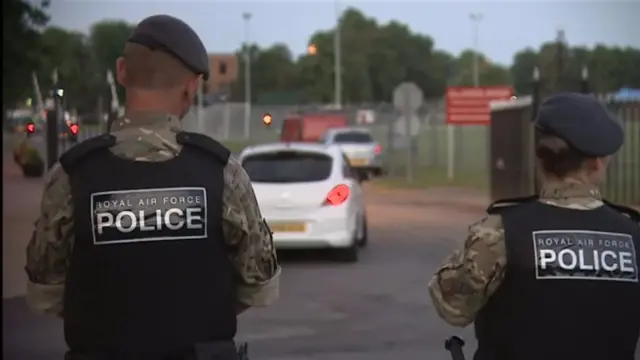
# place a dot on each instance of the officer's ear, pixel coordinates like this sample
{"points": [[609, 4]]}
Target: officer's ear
{"points": [[596, 165], [121, 71], [191, 89]]}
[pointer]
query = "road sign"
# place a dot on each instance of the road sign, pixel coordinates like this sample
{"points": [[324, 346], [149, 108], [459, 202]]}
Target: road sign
{"points": [[400, 126], [365, 117], [471, 105], [407, 97]]}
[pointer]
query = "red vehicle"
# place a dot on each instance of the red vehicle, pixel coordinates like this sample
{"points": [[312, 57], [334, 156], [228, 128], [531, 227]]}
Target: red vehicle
{"points": [[310, 127]]}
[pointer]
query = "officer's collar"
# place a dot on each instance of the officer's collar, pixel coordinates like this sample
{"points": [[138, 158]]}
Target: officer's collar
{"points": [[146, 119], [569, 189]]}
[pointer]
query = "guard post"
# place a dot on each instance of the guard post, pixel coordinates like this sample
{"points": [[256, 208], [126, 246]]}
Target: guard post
{"points": [[512, 144]]}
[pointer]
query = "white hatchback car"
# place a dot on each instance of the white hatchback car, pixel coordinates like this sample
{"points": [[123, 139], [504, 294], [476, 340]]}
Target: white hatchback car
{"points": [[309, 196]]}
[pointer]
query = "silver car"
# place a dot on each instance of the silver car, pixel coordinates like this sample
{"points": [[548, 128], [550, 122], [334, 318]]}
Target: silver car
{"points": [[361, 149]]}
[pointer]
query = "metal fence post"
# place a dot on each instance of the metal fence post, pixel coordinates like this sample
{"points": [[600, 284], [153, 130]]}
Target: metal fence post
{"points": [[584, 80], [535, 104]]}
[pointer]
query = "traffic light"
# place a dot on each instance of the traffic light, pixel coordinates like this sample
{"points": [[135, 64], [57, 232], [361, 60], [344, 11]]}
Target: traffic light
{"points": [[267, 119]]}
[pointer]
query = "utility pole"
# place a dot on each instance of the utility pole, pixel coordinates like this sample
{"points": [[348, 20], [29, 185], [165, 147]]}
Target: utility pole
{"points": [[200, 105], [584, 80], [560, 46], [53, 118], [114, 103], [476, 18], [246, 16], [337, 61]]}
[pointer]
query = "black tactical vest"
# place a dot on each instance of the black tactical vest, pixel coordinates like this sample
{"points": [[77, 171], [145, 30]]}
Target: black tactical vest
{"points": [[149, 272], [571, 289]]}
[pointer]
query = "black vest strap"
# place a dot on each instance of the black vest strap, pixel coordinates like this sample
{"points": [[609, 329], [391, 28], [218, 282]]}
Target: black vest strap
{"points": [[204, 143], [79, 151], [631, 212], [498, 205]]}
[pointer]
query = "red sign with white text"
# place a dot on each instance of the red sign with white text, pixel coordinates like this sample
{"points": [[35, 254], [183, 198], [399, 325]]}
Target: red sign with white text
{"points": [[471, 105]]}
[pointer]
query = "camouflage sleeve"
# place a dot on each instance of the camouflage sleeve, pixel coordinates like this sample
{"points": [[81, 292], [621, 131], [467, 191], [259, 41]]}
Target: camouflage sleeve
{"points": [[250, 239], [50, 246], [463, 285]]}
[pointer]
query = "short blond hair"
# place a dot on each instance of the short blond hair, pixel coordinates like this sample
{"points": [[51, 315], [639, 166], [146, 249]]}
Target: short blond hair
{"points": [[153, 69]]}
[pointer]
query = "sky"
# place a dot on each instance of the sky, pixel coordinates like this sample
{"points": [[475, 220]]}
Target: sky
{"points": [[505, 27]]}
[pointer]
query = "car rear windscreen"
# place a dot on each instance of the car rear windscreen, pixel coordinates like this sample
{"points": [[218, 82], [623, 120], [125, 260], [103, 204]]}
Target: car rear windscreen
{"points": [[288, 167], [352, 138]]}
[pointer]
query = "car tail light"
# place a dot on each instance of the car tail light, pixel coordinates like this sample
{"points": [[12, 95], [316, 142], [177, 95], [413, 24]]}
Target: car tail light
{"points": [[337, 195], [74, 128], [31, 127], [378, 149]]}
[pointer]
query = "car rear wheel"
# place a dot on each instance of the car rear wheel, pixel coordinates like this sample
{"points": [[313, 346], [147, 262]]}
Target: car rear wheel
{"points": [[363, 239], [349, 254]]}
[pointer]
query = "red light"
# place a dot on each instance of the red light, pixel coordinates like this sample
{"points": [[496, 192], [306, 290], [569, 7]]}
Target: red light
{"points": [[74, 128], [378, 149], [31, 127], [337, 195]]}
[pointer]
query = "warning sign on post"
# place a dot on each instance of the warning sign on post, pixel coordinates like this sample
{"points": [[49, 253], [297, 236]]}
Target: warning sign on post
{"points": [[471, 105]]}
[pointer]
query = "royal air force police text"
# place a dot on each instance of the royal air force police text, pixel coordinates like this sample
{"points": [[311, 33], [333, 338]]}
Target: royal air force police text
{"points": [[592, 254], [147, 213]]}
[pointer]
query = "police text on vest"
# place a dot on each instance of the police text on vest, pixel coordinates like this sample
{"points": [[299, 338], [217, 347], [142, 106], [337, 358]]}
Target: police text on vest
{"points": [[585, 255], [149, 215]]}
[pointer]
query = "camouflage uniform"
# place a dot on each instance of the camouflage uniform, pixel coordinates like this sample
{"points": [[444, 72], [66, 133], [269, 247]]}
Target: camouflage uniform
{"points": [[151, 137], [464, 284]]}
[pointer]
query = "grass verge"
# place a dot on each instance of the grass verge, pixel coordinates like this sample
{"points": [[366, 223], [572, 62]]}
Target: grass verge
{"points": [[235, 147], [434, 177]]}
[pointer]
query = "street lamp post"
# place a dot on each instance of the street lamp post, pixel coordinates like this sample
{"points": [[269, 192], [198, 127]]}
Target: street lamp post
{"points": [[476, 18], [247, 75], [584, 80], [337, 61]]}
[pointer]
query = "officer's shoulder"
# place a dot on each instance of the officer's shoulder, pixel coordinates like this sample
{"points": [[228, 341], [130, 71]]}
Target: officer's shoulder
{"points": [[205, 143], [80, 150], [626, 210], [500, 205]]}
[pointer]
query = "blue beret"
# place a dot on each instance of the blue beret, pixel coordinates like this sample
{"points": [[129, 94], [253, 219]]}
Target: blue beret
{"points": [[173, 36], [583, 122]]}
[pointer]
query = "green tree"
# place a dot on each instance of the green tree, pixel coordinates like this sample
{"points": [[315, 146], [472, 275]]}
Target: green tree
{"points": [[21, 26], [375, 59], [561, 68], [106, 41], [489, 74], [68, 53]]}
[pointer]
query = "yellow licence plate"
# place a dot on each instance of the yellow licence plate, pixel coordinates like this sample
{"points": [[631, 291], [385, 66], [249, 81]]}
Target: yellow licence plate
{"points": [[358, 162], [288, 227]]}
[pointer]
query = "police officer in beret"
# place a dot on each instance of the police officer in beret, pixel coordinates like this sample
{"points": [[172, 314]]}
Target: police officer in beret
{"points": [[553, 276], [150, 241]]}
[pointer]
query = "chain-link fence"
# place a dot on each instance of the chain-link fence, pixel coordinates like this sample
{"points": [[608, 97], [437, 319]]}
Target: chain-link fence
{"points": [[433, 146], [623, 173], [430, 153]]}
